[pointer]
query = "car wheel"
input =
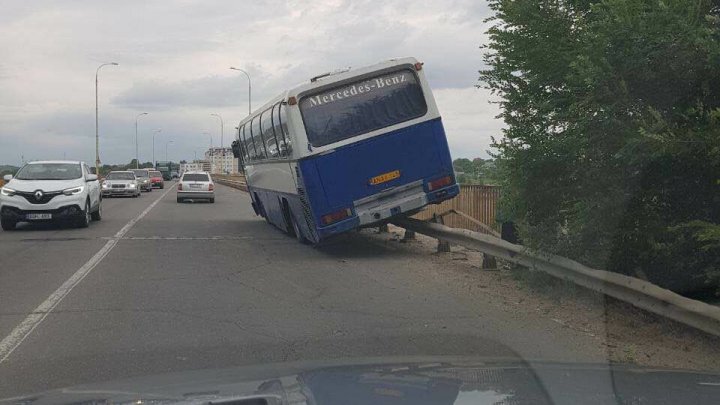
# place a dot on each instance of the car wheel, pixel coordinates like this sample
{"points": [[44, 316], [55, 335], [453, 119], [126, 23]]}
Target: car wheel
{"points": [[7, 224], [97, 215], [84, 220], [179, 200], [212, 201]]}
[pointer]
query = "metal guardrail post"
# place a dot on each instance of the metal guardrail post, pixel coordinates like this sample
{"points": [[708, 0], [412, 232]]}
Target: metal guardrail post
{"points": [[443, 245], [409, 235]]}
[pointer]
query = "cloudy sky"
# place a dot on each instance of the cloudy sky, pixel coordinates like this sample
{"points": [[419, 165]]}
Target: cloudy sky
{"points": [[173, 63]]}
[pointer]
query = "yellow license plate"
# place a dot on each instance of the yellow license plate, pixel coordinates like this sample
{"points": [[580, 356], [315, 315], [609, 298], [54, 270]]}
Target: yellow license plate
{"points": [[385, 177]]}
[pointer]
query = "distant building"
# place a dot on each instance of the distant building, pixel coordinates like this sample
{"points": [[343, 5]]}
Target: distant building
{"points": [[221, 161], [195, 166]]}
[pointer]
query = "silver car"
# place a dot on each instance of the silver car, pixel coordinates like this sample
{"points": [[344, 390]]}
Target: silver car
{"points": [[143, 178], [196, 186], [121, 184]]}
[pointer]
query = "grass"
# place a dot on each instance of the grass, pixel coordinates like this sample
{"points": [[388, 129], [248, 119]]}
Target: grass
{"points": [[542, 283]]}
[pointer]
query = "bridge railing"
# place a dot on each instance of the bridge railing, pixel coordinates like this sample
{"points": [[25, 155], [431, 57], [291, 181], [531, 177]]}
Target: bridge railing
{"points": [[474, 205], [234, 181]]}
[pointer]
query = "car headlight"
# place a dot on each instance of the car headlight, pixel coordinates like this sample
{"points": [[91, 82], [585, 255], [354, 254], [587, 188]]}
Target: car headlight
{"points": [[145, 181], [74, 190], [104, 185], [132, 185], [8, 192]]}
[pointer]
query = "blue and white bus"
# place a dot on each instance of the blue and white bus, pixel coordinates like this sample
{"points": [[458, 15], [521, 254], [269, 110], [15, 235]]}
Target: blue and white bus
{"points": [[345, 150]]}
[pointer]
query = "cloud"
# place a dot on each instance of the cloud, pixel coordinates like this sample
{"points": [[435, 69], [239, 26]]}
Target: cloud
{"points": [[174, 60]]}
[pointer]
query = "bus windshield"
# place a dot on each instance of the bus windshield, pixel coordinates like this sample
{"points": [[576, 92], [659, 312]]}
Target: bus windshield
{"points": [[361, 107]]}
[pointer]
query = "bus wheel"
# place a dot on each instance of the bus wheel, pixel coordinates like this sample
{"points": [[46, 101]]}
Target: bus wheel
{"points": [[296, 230]]}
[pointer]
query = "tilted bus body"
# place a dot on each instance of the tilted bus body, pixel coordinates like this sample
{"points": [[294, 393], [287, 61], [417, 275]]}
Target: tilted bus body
{"points": [[347, 150]]}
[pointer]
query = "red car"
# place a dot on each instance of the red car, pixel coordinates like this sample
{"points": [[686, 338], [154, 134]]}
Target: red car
{"points": [[156, 179]]}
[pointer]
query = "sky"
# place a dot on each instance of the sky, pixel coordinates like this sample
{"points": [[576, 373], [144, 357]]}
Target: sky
{"points": [[173, 63]]}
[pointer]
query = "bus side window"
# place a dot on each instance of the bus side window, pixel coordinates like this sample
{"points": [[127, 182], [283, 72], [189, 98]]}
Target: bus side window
{"points": [[282, 118], [247, 143], [257, 138], [268, 136], [282, 144]]}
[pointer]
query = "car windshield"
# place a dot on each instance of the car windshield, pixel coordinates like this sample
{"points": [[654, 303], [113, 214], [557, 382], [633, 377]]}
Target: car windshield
{"points": [[50, 171], [433, 202], [195, 177], [120, 176]]}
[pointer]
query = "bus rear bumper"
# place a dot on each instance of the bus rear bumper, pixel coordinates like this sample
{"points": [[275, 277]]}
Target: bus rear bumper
{"points": [[392, 208], [438, 196], [381, 211]]}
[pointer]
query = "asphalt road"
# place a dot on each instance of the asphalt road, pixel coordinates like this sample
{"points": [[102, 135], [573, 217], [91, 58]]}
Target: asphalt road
{"points": [[198, 285]]}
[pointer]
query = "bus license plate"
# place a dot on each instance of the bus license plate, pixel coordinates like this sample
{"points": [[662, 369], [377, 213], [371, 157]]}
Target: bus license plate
{"points": [[38, 216], [385, 177]]}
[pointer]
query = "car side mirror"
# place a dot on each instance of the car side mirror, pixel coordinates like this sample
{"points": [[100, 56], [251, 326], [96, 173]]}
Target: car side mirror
{"points": [[7, 177], [91, 177]]}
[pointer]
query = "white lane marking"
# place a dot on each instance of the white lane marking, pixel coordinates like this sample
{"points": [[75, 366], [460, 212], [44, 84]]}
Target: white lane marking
{"points": [[26, 327]]}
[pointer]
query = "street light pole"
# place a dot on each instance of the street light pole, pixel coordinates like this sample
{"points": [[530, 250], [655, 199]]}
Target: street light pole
{"points": [[222, 128], [137, 155], [249, 88], [97, 123], [155, 132], [166, 147]]}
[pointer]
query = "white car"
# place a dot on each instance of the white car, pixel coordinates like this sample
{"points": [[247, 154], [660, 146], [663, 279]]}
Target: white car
{"points": [[58, 191], [123, 183], [196, 186]]}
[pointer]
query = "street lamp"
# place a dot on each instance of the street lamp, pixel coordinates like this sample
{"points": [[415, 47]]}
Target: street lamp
{"points": [[97, 126], [166, 147], [137, 156], [222, 128], [249, 88], [155, 132]]}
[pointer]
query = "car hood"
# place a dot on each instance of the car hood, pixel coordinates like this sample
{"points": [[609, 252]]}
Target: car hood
{"points": [[44, 185], [403, 381], [119, 182]]}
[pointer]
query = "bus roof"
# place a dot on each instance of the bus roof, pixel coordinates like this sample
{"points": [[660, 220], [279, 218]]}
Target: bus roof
{"points": [[326, 79]]}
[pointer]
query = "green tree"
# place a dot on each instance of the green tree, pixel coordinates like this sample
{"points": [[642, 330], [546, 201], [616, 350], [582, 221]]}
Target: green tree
{"points": [[463, 165], [613, 127]]}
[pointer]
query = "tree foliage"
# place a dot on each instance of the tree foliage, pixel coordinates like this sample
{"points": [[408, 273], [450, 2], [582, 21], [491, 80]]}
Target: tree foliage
{"points": [[612, 145], [476, 171]]}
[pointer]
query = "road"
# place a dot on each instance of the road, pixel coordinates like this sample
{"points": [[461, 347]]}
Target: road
{"points": [[196, 286]]}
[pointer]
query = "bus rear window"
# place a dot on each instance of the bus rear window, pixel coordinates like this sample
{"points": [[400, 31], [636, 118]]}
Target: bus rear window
{"points": [[361, 107], [195, 177]]}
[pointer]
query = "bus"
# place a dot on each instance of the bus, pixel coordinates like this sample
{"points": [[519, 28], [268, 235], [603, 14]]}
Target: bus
{"points": [[345, 150]]}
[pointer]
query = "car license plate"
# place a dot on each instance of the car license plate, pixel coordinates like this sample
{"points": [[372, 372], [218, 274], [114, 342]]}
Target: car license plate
{"points": [[195, 185], [38, 216], [385, 177]]}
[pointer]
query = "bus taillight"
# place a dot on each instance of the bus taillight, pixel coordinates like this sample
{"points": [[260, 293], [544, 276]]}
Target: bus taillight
{"points": [[336, 216], [440, 183]]}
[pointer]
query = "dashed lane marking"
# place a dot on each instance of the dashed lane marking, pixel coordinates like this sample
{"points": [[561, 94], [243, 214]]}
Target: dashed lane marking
{"points": [[28, 325]]}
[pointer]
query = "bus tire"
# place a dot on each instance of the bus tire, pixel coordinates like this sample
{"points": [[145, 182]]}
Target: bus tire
{"points": [[261, 208], [297, 231], [286, 216]]}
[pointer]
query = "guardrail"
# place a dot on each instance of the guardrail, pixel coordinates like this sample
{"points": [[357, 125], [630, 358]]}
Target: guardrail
{"points": [[237, 182], [639, 293]]}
